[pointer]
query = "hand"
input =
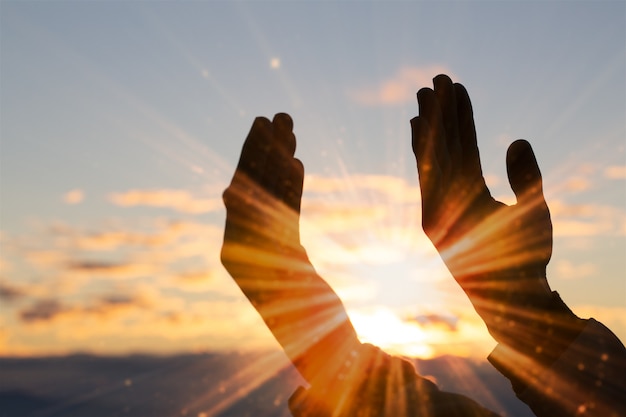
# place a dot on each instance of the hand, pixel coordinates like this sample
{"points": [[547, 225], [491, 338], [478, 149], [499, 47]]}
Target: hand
{"points": [[263, 199], [497, 253], [262, 253]]}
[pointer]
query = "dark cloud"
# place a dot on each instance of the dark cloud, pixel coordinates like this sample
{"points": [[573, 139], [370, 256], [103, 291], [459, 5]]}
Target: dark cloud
{"points": [[110, 269], [48, 309], [42, 310], [118, 299], [434, 319], [95, 266], [10, 293]]}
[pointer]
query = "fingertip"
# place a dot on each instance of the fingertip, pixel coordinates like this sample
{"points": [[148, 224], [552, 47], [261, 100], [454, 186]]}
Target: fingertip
{"points": [[283, 120], [441, 77], [519, 155], [522, 169], [260, 121], [460, 90], [441, 80], [427, 102], [423, 93], [518, 146], [298, 166]]}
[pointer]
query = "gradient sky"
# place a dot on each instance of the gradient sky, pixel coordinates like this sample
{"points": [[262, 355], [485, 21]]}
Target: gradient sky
{"points": [[121, 124]]}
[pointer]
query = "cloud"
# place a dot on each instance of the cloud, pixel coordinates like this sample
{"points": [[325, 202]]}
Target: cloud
{"points": [[586, 219], [179, 200], [379, 187], [400, 88], [51, 310], [577, 184], [615, 172], [612, 317], [200, 280], [73, 196], [434, 319], [568, 271], [10, 293], [110, 269], [432, 335], [43, 310]]}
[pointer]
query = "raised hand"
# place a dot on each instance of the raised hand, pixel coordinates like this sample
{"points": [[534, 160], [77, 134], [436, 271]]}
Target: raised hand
{"points": [[497, 253], [262, 252], [263, 199]]}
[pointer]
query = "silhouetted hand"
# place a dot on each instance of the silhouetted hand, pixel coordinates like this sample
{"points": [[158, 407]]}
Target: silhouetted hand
{"points": [[497, 253], [262, 253], [263, 199]]}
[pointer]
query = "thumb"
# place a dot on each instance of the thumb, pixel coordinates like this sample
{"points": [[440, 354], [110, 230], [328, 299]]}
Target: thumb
{"points": [[523, 172]]}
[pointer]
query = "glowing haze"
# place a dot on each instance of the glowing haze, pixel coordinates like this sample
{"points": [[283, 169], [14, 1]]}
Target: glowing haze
{"points": [[122, 123]]}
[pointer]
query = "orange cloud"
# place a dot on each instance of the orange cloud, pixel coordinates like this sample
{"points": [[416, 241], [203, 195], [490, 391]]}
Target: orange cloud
{"points": [[612, 317], [11, 293], [179, 200], [129, 269], [74, 196], [401, 87], [577, 184], [615, 172], [586, 219], [51, 310], [568, 271]]}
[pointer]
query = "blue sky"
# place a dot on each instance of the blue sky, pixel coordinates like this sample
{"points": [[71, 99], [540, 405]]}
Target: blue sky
{"points": [[122, 123]]}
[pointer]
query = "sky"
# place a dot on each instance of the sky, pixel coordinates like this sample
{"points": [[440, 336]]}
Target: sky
{"points": [[121, 124]]}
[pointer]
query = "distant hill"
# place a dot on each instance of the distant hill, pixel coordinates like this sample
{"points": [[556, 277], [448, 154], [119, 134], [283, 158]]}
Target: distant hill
{"points": [[202, 385]]}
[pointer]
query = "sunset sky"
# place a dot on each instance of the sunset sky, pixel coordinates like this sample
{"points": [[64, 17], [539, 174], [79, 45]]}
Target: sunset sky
{"points": [[122, 122]]}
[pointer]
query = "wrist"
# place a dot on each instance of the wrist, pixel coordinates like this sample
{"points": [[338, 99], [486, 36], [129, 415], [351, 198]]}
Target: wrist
{"points": [[541, 328]]}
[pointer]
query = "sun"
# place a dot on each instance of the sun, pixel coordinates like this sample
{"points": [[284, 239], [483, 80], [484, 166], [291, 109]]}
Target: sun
{"points": [[382, 327]]}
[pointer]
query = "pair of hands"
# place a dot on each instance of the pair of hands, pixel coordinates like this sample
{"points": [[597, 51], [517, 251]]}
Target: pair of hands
{"points": [[497, 253]]}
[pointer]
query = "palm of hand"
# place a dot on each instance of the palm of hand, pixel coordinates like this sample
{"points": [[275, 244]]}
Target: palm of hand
{"points": [[263, 199], [494, 251]]}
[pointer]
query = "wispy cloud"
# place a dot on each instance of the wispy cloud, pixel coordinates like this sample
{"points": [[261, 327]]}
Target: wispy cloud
{"points": [[49, 309], [74, 196], [612, 317], [401, 87], [586, 219], [450, 322], [179, 200], [567, 270], [110, 269], [10, 292], [43, 311], [615, 172], [577, 184]]}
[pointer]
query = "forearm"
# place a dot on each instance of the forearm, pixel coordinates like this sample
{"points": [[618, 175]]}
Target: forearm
{"points": [[587, 379], [302, 311], [557, 363], [521, 314]]}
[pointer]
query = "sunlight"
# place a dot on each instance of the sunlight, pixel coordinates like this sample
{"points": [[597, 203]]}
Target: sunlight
{"points": [[383, 328]]}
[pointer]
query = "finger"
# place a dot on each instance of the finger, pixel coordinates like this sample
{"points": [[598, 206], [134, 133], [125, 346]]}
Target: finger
{"points": [[446, 97], [293, 185], [467, 132], [283, 127], [256, 149], [470, 157], [280, 156], [429, 110], [423, 139], [523, 172]]}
